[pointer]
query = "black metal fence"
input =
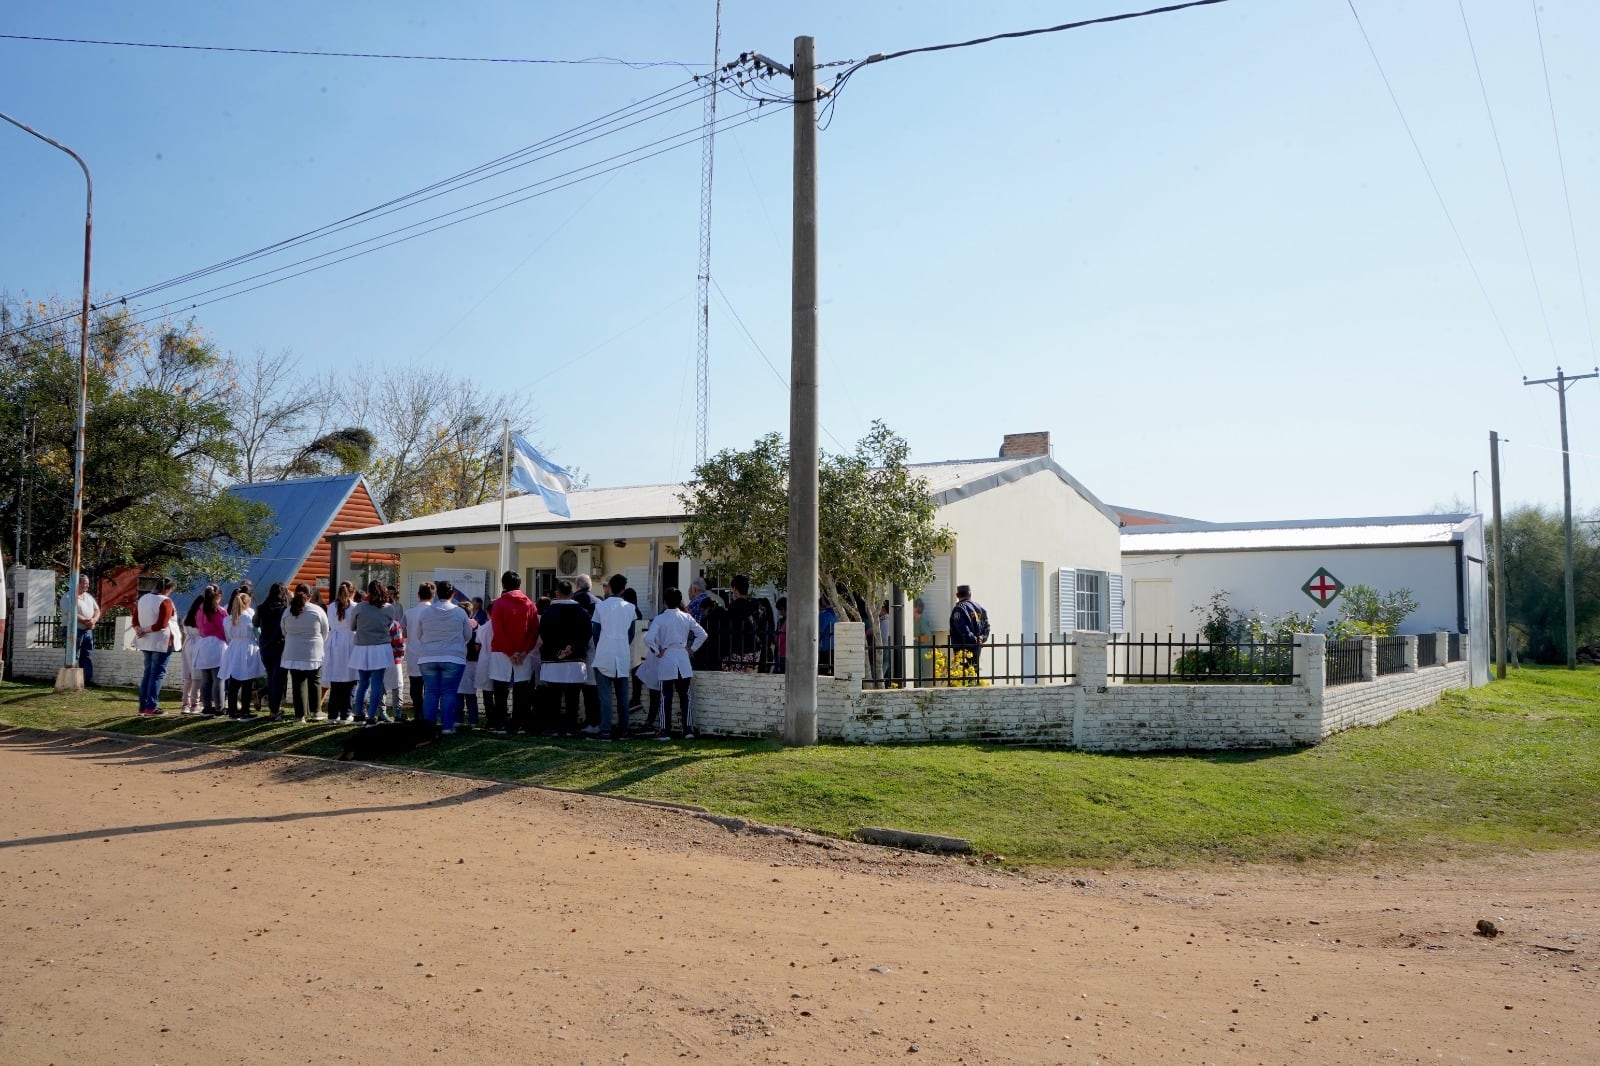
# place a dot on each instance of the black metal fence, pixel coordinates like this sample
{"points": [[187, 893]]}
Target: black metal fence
{"points": [[1427, 650], [1391, 655], [1002, 660], [1195, 660], [52, 633], [1343, 661], [1454, 651]]}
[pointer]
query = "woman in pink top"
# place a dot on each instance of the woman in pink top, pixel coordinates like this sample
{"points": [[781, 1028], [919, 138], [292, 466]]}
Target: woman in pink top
{"points": [[209, 623]]}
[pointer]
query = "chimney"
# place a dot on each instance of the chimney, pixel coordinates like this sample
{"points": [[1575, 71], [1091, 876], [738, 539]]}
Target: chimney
{"points": [[1017, 445]]}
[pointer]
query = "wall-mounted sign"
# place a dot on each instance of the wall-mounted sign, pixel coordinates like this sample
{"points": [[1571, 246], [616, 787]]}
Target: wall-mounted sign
{"points": [[1323, 587]]}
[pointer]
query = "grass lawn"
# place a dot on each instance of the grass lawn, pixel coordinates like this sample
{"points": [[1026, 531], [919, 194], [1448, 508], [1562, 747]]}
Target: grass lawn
{"points": [[1509, 767]]}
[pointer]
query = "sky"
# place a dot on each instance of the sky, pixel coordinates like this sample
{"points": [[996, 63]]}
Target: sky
{"points": [[1198, 248]]}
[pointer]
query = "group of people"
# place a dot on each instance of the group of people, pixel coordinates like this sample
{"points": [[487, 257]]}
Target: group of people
{"points": [[569, 664]]}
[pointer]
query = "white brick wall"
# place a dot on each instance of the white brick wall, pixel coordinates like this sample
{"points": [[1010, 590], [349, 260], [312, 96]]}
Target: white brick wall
{"points": [[1375, 702], [1205, 717]]}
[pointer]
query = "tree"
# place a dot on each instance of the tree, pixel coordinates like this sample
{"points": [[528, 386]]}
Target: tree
{"points": [[437, 436], [158, 424], [1364, 611], [1535, 581], [876, 523], [286, 423]]}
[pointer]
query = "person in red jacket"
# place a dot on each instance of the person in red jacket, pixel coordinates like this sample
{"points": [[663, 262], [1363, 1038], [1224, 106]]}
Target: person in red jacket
{"points": [[515, 622]]}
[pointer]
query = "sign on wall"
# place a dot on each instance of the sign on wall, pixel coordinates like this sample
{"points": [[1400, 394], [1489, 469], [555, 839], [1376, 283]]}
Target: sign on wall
{"points": [[1323, 587]]}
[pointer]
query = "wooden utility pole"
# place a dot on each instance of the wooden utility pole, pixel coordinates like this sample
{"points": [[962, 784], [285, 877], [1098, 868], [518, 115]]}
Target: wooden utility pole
{"points": [[1561, 382], [1499, 560], [800, 683]]}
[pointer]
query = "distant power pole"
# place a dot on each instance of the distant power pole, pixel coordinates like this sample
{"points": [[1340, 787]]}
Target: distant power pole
{"points": [[1561, 382], [1499, 560]]}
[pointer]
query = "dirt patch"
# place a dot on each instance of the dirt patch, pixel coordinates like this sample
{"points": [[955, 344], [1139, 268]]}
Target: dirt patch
{"points": [[166, 904]]}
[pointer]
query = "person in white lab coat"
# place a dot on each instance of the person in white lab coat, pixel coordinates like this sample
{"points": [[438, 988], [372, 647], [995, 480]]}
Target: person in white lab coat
{"points": [[674, 636], [613, 658]]}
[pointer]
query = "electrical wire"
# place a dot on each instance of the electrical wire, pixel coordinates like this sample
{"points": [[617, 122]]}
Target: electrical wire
{"points": [[683, 139], [687, 94], [826, 116], [662, 103], [586, 61], [1505, 171], [782, 380], [1439, 196], [1555, 128]]}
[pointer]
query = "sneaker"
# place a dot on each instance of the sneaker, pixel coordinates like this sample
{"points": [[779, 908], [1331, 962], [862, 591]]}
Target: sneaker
{"points": [[448, 732], [689, 735], [148, 710], [591, 730], [663, 736]]}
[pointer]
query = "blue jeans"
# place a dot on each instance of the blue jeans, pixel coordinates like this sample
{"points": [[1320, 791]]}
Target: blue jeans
{"points": [[155, 671], [441, 695], [370, 689], [613, 703], [86, 654]]}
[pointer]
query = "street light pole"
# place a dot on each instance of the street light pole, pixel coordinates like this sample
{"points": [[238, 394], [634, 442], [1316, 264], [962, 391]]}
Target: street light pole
{"points": [[71, 676]]}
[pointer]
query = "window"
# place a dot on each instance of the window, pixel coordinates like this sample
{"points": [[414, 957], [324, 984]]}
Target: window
{"points": [[1091, 600]]}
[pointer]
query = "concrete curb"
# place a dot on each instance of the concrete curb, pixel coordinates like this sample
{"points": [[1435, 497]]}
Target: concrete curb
{"points": [[900, 838]]}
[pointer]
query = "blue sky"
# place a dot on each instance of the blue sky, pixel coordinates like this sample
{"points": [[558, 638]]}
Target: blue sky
{"points": [[1199, 249]]}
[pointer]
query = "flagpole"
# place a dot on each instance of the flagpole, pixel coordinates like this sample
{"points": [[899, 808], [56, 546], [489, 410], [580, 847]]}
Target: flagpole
{"points": [[505, 483]]}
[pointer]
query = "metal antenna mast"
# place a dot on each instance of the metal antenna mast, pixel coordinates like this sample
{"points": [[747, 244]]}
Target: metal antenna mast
{"points": [[708, 144]]}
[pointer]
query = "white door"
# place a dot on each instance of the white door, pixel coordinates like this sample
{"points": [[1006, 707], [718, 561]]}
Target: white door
{"points": [[1152, 621], [1152, 607], [1032, 586]]}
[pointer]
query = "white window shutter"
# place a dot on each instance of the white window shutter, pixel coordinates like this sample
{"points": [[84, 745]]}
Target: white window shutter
{"points": [[937, 597], [1114, 603], [1066, 600]]}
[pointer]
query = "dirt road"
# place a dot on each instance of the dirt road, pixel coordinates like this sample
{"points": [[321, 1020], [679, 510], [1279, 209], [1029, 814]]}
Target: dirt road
{"points": [[168, 905]]}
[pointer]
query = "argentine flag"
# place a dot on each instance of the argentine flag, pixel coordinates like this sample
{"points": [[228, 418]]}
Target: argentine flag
{"points": [[532, 472]]}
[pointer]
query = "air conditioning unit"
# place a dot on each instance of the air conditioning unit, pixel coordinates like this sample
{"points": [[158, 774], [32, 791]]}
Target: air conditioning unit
{"points": [[575, 559]]}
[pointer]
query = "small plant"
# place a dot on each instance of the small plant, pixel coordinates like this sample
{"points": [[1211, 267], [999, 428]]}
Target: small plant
{"points": [[1363, 611], [953, 670]]}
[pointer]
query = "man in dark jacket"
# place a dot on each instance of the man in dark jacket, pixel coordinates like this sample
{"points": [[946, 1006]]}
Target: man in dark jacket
{"points": [[969, 630], [566, 629]]}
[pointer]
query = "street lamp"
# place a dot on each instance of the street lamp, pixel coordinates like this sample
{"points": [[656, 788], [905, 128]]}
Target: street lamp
{"points": [[70, 676]]}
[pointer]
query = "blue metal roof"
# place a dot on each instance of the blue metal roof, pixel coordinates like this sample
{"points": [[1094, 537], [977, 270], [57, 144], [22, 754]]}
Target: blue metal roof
{"points": [[301, 510]]}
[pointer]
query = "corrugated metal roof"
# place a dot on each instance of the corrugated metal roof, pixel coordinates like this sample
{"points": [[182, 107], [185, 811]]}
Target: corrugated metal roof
{"points": [[632, 503], [301, 510], [1314, 533]]}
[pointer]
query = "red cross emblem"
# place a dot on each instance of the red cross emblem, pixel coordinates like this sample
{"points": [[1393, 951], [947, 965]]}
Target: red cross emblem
{"points": [[1323, 587]]}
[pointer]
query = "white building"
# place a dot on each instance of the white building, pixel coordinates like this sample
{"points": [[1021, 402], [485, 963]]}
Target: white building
{"points": [[1276, 567], [1020, 521]]}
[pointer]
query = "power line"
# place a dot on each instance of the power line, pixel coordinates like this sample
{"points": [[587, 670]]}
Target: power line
{"points": [[1416, 147], [639, 113], [826, 116], [684, 139], [1555, 128], [782, 380], [657, 106], [1505, 172], [586, 61]]}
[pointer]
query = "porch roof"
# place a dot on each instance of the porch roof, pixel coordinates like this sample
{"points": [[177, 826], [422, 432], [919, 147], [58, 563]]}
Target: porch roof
{"points": [[633, 504]]}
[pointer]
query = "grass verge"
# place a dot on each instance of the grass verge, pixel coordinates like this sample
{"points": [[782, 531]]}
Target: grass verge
{"points": [[1514, 766]]}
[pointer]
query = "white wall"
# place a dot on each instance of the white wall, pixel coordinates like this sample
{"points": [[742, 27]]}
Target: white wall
{"points": [[1038, 518], [1270, 581]]}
